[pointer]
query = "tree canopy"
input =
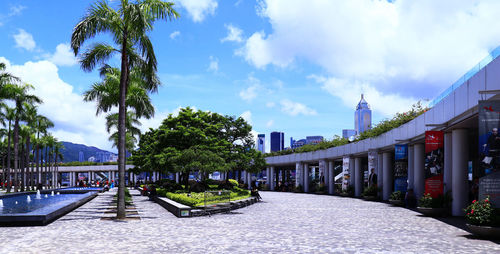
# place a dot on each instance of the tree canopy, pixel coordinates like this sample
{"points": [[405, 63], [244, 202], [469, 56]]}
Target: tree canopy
{"points": [[198, 141]]}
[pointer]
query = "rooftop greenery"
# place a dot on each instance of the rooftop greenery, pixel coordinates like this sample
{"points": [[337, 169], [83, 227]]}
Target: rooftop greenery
{"points": [[379, 129]]}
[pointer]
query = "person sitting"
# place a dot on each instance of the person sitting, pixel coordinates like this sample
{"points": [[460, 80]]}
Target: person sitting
{"points": [[106, 188], [255, 193]]}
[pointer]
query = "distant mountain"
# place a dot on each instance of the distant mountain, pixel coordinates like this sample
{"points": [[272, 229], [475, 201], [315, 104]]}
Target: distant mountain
{"points": [[71, 152]]}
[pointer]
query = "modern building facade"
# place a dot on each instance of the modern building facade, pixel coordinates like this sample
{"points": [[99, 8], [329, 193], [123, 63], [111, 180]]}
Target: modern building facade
{"points": [[455, 114], [297, 143], [362, 116], [310, 140], [277, 141], [261, 143]]}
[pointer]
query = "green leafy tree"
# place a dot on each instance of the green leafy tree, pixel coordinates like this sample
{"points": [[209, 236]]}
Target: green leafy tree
{"points": [[128, 27]]}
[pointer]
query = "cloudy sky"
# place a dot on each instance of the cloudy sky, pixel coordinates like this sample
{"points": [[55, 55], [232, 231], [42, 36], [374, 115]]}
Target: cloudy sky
{"points": [[284, 65]]}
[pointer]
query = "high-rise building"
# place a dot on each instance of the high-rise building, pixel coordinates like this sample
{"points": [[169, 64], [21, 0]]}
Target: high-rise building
{"points": [[261, 143], [81, 158], [277, 141], [362, 116]]}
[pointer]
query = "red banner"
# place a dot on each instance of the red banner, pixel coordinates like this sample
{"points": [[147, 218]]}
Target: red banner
{"points": [[434, 162], [433, 140], [434, 185]]}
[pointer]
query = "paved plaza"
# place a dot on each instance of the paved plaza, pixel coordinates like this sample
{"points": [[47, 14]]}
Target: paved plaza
{"points": [[283, 223]]}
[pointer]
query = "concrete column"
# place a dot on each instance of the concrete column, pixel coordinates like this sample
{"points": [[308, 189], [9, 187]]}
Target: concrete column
{"points": [[268, 175], [418, 170], [351, 172], [326, 173], [447, 171], [249, 180], [306, 177], [380, 171], [244, 176], [388, 176], [323, 164], [460, 156], [331, 178], [177, 176], [71, 181], [358, 177], [90, 176], [411, 166], [299, 170], [271, 178]]}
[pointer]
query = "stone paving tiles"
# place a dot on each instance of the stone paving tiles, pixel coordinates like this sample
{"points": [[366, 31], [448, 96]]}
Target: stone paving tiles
{"points": [[283, 223]]}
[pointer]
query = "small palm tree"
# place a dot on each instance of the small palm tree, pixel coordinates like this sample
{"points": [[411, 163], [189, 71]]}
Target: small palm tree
{"points": [[128, 26]]}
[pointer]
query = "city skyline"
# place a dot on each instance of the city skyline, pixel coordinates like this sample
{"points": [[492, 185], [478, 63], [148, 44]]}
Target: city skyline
{"points": [[255, 64]]}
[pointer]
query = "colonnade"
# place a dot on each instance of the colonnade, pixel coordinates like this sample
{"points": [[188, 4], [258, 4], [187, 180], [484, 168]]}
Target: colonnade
{"points": [[455, 170]]}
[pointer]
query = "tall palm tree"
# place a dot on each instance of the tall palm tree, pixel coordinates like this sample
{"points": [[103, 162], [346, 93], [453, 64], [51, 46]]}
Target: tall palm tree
{"points": [[24, 133], [41, 125], [30, 115], [57, 154], [10, 116], [19, 94], [128, 26]]}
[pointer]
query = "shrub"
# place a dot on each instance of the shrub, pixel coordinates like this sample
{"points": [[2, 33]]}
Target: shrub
{"points": [[233, 182], [370, 191], [482, 213], [397, 195]]}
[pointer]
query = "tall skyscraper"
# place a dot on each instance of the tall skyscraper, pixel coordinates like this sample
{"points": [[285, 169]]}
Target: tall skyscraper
{"points": [[277, 141], [362, 116], [80, 157], [261, 143]]}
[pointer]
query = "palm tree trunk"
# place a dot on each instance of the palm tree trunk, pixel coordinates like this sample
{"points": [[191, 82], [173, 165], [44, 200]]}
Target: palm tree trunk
{"points": [[122, 111], [16, 152], [9, 176], [38, 174], [21, 167], [28, 172]]}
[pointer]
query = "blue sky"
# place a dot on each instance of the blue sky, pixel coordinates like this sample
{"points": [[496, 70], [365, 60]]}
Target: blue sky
{"points": [[292, 66]]}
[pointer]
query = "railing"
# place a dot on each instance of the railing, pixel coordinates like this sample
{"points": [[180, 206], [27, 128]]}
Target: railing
{"points": [[488, 59]]}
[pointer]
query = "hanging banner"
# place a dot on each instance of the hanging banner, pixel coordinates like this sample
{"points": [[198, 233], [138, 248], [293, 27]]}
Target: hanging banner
{"points": [[434, 160], [489, 153], [345, 171], [400, 168]]}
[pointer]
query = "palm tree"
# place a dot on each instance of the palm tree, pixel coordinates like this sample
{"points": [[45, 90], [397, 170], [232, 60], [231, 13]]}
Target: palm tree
{"points": [[41, 125], [19, 94], [24, 133], [128, 26], [30, 118], [132, 131], [10, 116], [5, 77], [57, 154]]}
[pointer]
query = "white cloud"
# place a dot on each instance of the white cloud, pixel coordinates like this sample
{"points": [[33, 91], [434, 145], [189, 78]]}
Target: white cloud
{"points": [[174, 34], [270, 104], [249, 93], [270, 123], [386, 44], [247, 115], [214, 64], [63, 56], [16, 10], [349, 92], [24, 40], [74, 119], [294, 108], [233, 34], [198, 9]]}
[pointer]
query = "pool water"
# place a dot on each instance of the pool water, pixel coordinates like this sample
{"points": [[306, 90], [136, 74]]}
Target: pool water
{"points": [[44, 205]]}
